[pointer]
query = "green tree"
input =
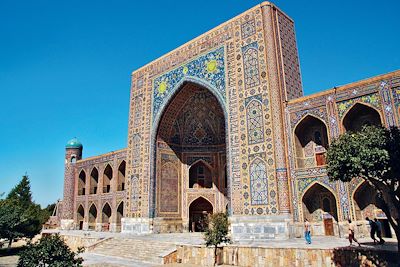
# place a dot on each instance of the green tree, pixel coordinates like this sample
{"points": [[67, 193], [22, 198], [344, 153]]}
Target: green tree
{"points": [[49, 251], [217, 232], [22, 192], [19, 215], [372, 154]]}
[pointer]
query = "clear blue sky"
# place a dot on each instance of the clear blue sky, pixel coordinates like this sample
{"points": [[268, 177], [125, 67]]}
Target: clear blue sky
{"points": [[65, 66]]}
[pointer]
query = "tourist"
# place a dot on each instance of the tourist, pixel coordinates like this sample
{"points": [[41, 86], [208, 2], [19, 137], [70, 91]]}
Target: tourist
{"points": [[379, 231], [372, 226], [307, 232], [351, 234]]}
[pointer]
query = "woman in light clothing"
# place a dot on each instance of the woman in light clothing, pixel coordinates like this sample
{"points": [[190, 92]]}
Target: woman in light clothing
{"points": [[351, 234], [307, 232]]}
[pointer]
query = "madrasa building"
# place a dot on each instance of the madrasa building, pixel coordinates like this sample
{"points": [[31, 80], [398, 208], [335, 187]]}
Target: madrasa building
{"points": [[220, 124]]}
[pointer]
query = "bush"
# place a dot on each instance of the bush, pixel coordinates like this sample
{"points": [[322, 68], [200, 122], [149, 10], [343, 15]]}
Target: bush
{"points": [[49, 251]]}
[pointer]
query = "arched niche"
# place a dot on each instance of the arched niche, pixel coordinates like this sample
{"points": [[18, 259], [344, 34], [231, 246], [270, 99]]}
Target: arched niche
{"points": [[311, 142], [199, 210], [92, 216], [360, 115], [200, 175], [82, 183], [107, 178], [106, 216], [120, 213], [319, 206], [80, 215], [94, 181], [121, 176]]}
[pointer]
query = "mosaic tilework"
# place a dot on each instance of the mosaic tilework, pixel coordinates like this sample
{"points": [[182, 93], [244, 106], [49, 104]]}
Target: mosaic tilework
{"points": [[291, 67], [135, 193], [170, 188], [248, 28], [138, 111], [258, 183], [395, 89], [317, 112], [250, 65], [387, 103], [275, 89], [136, 150], [209, 67], [255, 125], [333, 125], [372, 100]]}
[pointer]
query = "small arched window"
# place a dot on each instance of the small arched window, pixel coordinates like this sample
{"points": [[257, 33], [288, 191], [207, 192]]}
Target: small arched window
{"points": [[73, 159]]}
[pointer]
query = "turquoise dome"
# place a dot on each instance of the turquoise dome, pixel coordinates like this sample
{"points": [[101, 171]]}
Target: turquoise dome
{"points": [[74, 143]]}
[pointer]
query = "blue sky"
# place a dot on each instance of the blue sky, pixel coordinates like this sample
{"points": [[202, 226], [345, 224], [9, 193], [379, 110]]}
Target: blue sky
{"points": [[65, 66]]}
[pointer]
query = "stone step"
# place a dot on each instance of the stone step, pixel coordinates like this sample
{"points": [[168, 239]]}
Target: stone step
{"points": [[136, 249]]}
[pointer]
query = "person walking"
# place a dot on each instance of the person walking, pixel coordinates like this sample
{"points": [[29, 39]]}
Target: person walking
{"points": [[307, 232], [379, 231], [372, 226], [351, 234]]}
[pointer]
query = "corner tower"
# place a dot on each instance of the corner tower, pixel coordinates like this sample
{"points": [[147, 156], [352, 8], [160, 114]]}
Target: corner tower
{"points": [[73, 152]]}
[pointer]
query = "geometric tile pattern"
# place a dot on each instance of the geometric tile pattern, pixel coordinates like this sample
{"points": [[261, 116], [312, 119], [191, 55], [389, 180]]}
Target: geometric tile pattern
{"points": [[258, 183], [248, 28], [255, 126], [250, 62]]}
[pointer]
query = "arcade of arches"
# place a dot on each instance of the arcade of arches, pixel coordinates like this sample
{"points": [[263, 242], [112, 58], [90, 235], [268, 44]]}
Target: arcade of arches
{"points": [[190, 160], [112, 184]]}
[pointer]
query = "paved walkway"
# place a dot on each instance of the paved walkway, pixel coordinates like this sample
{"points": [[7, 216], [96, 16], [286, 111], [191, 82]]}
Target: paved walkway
{"points": [[318, 242], [96, 260]]}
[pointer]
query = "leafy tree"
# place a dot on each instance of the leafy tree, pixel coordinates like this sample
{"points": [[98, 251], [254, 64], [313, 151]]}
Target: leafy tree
{"points": [[217, 231], [372, 154], [49, 251], [19, 215]]}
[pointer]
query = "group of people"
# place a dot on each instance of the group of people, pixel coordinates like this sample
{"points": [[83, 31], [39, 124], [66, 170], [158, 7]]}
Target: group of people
{"points": [[375, 229]]}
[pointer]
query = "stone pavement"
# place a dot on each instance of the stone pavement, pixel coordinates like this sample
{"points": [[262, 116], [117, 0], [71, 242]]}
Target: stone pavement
{"points": [[116, 257]]}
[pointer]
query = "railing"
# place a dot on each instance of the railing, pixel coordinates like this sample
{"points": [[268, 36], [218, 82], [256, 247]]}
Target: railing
{"points": [[106, 189], [81, 192]]}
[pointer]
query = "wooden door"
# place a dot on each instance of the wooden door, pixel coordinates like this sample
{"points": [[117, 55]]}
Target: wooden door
{"points": [[328, 224]]}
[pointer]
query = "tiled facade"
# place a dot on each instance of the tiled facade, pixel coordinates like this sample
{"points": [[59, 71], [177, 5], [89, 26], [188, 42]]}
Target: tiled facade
{"points": [[221, 123]]}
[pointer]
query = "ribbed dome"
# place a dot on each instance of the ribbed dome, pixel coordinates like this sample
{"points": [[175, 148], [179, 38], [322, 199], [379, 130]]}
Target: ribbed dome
{"points": [[74, 143]]}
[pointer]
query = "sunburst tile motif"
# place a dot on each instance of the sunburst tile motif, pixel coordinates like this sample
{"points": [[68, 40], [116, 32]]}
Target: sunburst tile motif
{"points": [[209, 67]]}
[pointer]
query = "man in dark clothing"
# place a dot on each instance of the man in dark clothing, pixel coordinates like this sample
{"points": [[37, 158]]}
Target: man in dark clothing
{"points": [[372, 226], [379, 231]]}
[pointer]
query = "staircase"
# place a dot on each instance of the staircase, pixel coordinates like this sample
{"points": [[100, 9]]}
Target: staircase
{"points": [[141, 250]]}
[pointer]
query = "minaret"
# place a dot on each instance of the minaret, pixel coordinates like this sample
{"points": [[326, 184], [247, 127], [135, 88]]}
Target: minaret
{"points": [[73, 152]]}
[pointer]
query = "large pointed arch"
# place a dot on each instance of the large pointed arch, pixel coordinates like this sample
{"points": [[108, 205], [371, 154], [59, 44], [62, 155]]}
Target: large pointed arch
{"points": [[156, 125]]}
